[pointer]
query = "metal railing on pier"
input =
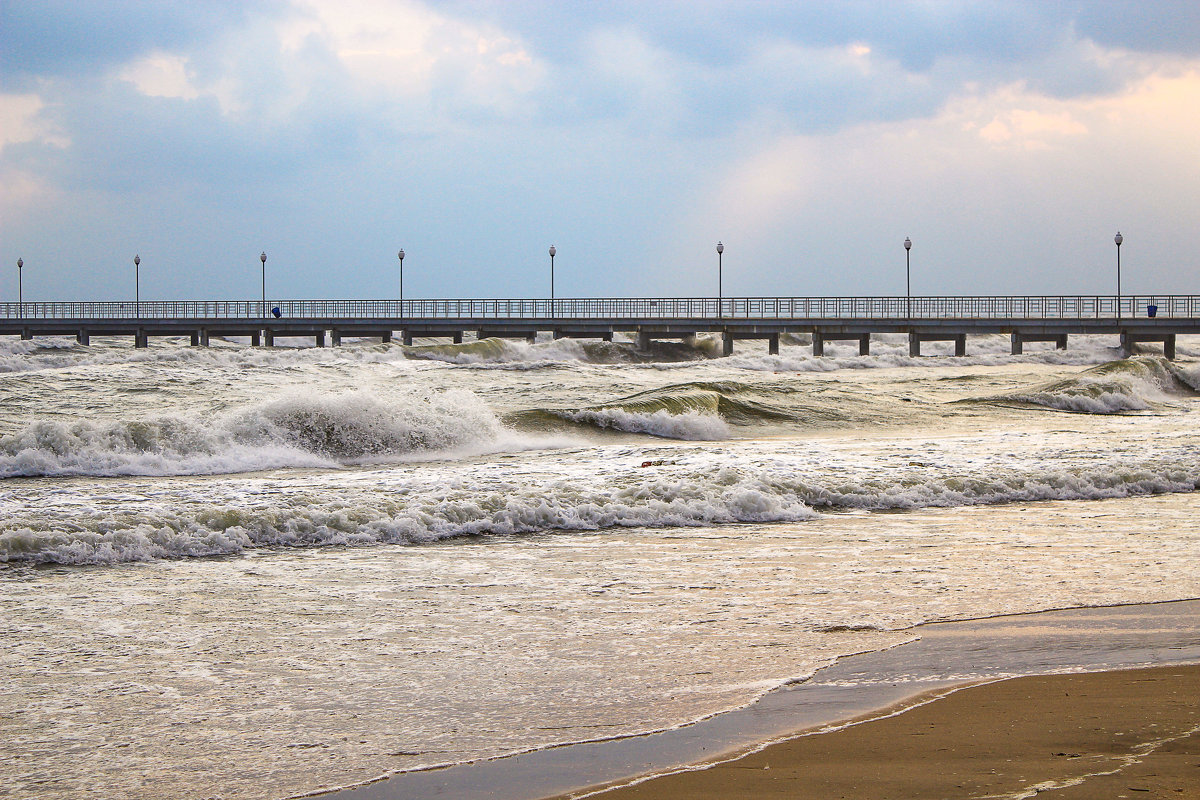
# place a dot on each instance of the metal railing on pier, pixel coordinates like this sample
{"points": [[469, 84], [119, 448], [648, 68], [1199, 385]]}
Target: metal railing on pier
{"points": [[1051, 307]]}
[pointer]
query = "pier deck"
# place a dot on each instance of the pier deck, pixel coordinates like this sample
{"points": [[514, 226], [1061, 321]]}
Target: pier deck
{"points": [[1134, 319]]}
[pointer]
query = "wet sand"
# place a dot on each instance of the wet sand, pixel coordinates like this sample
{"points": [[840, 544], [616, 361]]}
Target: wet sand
{"points": [[1130, 733], [943, 658]]}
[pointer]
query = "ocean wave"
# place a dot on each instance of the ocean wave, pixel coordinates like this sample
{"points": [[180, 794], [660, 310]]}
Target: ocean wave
{"points": [[1131, 384], [431, 504], [693, 425], [699, 410], [887, 350], [425, 512], [289, 432], [521, 354]]}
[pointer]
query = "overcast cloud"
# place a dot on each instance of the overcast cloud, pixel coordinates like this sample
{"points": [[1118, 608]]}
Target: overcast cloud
{"points": [[1010, 140]]}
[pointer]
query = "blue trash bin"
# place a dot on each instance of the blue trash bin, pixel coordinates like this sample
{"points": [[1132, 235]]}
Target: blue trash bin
{"points": [[1151, 311]]}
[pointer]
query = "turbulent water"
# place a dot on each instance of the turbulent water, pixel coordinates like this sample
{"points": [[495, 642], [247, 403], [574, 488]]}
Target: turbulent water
{"points": [[250, 572]]}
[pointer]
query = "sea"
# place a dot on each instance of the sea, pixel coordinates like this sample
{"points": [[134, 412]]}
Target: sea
{"points": [[247, 572]]}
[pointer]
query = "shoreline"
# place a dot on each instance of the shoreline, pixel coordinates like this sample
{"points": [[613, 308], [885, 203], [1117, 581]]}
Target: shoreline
{"points": [[1116, 733], [946, 657]]}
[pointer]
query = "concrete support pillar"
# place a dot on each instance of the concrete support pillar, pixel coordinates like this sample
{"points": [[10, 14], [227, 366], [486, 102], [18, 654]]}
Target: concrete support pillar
{"points": [[458, 337], [914, 345], [557, 334], [607, 337], [531, 338], [1126, 345], [256, 338], [643, 341], [320, 338], [26, 333], [864, 344], [726, 343], [82, 337], [1060, 343], [195, 338], [268, 337], [335, 337], [1018, 345], [406, 339], [200, 337], [960, 344], [773, 344], [818, 344], [1169, 347], [386, 338], [140, 339]]}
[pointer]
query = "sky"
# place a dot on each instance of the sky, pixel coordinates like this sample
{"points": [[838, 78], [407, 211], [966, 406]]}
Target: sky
{"points": [[1010, 140]]}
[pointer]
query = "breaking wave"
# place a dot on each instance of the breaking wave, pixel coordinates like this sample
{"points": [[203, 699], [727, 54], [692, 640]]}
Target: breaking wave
{"points": [[520, 353], [429, 504], [291, 432], [1131, 384], [701, 410], [692, 425]]}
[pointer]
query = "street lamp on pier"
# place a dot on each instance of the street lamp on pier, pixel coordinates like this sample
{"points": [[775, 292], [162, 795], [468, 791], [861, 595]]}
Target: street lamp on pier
{"points": [[263, 258], [400, 255], [1118, 239], [137, 291], [20, 290], [908, 275], [720, 256], [553, 253]]}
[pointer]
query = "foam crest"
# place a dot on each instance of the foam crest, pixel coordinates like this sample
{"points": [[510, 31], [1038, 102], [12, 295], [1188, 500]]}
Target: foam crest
{"points": [[357, 425], [692, 425]]}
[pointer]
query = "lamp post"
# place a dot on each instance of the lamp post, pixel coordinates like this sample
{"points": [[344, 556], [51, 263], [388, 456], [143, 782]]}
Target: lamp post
{"points": [[263, 258], [720, 256], [20, 290], [400, 255], [908, 275], [553, 253], [137, 292], [1118, 239]]}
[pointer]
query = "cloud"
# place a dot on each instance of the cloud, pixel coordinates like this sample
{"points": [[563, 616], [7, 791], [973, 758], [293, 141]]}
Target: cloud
{"points": [[160, 75], [801, 134], [65, 38], [21, 121], [1009, 172]]}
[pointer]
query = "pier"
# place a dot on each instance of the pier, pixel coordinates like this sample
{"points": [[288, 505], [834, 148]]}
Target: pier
{"points": [[1025, 319]]}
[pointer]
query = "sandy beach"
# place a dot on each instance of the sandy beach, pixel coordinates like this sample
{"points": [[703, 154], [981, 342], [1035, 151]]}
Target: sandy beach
{"points": [[1128, 733]]}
